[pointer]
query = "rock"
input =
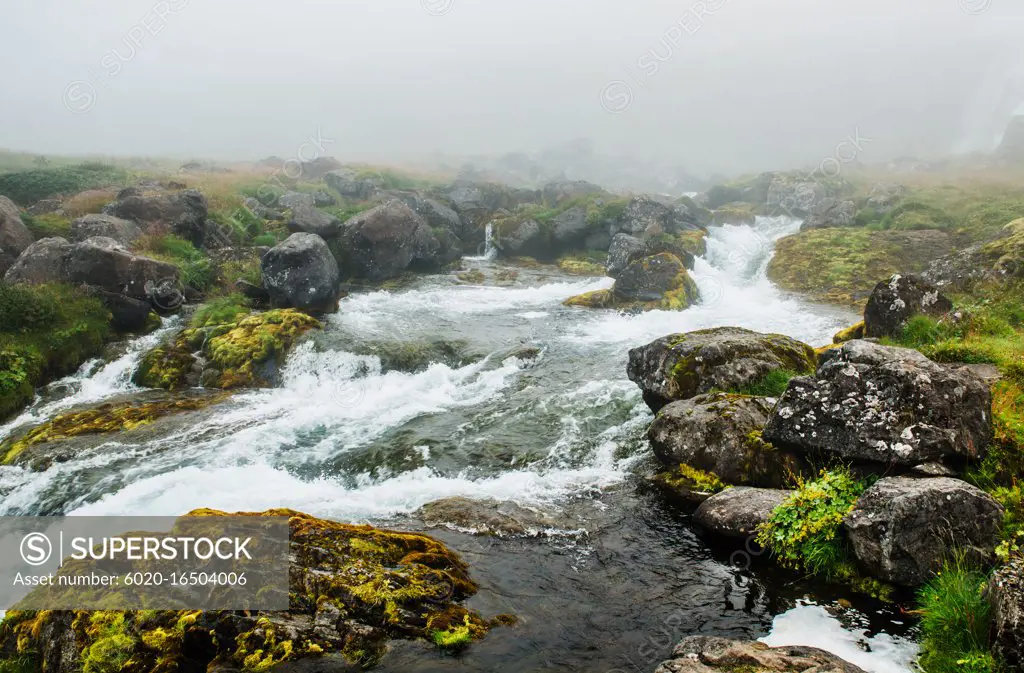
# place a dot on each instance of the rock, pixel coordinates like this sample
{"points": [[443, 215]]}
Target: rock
{"points": [[383, 242], [302, 273], [44, 206], [317, 168], [898, 299], [15, 237], [437, 215], [124, 232], [351, 184], [885, 405], [295, 199], [484, 517], [41, 262], [733, 215], [831, 213], [681, 366], [322, 199], [260, 210], [720, 433], [571, 225], [959, 270], [105, 264], [903, 528], [257, 293], [884, 196], [184, 212], [128, 314], [415, 356], [622, 251], [737, 512], [795, 197], [309, 220], [351, 589], [645, 215], [1005, 592], [522, 236], [710, 654], [655, 278]]}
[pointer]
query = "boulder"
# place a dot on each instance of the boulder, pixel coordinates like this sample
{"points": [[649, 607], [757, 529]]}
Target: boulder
{"points": [[720, 433], [958, 271], [295, 199], [883, 404], [519, 236], [382, 242], [567, 190], [127, 314], [622, 251], [15, 237], [485, 517], [903, 528], [884, 196], [184, 212], [322, 199], [352, 185], [645, 215], [831, 213], [655, 278], [105, 264], [44, 206], [1005, 593], [711, 654], [799, 198], [308, 220], [738, 512], [302, 273], [260, 210], [570, 226], [436, 214], [893, 302], [124, 232], [41, 262], [681, 366]]}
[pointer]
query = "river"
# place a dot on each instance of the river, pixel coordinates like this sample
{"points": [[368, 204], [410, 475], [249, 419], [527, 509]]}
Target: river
{"points": [[540, 412]]}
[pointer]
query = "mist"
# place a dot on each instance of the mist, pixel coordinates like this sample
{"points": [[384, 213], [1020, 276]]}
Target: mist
{"points": [[717, 86]]}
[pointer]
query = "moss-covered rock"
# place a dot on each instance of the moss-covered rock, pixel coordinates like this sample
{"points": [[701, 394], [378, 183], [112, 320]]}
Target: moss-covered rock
{"points": [[351, 590], [105, 419], [657, 282], [688, 485], [852, 332], [844, 264], [681, 366], [581, 267], [237, 354]]}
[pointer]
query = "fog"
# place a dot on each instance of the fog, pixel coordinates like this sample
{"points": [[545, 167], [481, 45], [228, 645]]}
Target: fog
{"points": [[714, 85]]}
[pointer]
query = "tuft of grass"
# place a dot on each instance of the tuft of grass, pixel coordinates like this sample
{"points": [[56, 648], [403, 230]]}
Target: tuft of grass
{"points": [[47, 225], [197, 269], [772, 384], [221, 311], [955, 620]]}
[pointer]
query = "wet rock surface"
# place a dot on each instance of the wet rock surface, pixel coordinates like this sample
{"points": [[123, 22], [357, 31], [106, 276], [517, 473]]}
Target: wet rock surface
{"points": [[709, 654], [302, 273], [737, 512], [883, 404], [680, 366], [1005, 592], [903, 528]]}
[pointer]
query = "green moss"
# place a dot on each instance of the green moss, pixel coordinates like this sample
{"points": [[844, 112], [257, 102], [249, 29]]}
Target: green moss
{"points": [[916, 215], [844, 264], [473, 276], [772, 384], [103, 419], [46, 331], [850, 333], [253, 341], [382, 584], [229, 309], [581, 267], [593, 299]]}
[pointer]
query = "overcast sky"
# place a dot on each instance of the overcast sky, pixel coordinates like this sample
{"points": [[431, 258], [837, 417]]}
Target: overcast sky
{"points": [[756, 84]]}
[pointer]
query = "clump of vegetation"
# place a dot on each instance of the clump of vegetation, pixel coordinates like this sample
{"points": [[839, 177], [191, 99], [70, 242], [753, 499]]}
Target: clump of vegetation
{"points": [[27, 187], [227, 309], [955, 621], [46, 331], [804, 531], [196, 267], [47, 225], [772, 384], [584, 264], [916, 215]]}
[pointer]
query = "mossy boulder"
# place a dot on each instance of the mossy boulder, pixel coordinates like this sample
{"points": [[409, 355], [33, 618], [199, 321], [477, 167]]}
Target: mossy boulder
{"points": [[14, 235], [896, 300], [843, 264], [681, 366], [687, 485], [29, 448], [351, 590], [735, 213], [855, 331], [581, 267], [720, 433], [657, 282], [711, 654], [238, 354]]}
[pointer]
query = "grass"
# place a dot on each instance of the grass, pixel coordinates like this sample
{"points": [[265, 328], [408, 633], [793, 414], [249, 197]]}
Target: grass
{"points": [[46, 331], [223, 310], [197, 269], [772, 384], [27, 187], [955, 620], [47, 225]]}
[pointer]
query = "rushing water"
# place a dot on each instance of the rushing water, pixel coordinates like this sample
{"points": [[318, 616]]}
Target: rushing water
{"points": [[538, 410]]}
